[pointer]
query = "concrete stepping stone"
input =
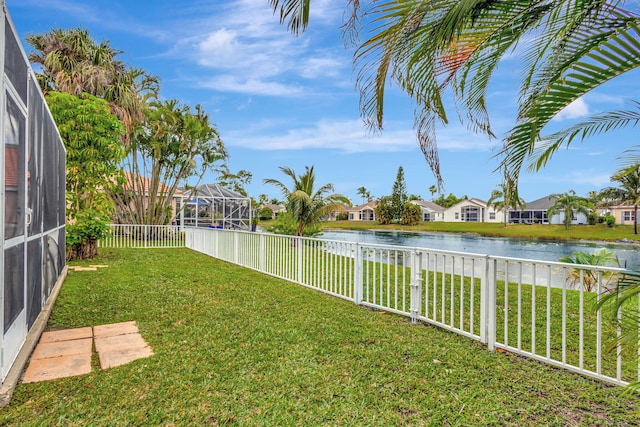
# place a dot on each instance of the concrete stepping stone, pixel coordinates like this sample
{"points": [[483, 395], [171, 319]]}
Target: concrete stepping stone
{"points": [[114, 329], [57, 367], [119, 343], [66, 335]]}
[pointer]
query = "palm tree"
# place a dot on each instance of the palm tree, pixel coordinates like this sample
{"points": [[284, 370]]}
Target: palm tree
{"points": [[306, 204], [505, 198], [362, 191], [429, 48], [433, 190], [568, 203], [590, 277], [627, 192], [72, 62]]}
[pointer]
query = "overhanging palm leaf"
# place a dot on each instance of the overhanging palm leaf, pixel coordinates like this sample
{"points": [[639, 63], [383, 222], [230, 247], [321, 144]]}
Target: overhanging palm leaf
{"points": [[595, 125], [604, 47]]}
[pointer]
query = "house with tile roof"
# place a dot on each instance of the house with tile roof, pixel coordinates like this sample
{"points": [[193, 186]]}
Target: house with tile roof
{"points": [[276, 209]]}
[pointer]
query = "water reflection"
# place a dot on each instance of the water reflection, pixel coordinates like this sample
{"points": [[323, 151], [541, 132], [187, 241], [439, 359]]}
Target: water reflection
{"points": [[544, 250]]}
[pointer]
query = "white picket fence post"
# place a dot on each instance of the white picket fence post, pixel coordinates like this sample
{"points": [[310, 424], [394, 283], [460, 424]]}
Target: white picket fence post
{"points": [[357, 275], [415, 295]]}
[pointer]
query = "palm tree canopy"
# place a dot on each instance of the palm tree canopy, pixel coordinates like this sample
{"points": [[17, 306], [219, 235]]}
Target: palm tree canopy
{"points": [[306, 203], [74, 63], [430, 47]]}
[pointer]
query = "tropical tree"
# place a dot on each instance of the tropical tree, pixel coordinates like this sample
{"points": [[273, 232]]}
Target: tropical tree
{"points": [[505, 198], [568, 203], [411, 214], [627, 192], [72, 62], [263, 199], [234, 181], [433, 190], [307, 205], [174, 143], [428, 48], [622, 306], [362, 192], [91, 137], [589, 277]]}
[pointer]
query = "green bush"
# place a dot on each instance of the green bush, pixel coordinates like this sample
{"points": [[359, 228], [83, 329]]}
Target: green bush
{"points": [[611, 220], [265, 214], [342, 216], [592, 218], [411, 214]]}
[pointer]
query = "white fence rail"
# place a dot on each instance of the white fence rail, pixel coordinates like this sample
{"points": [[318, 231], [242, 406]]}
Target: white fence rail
{"points": [[537, 309], [143, 236]]}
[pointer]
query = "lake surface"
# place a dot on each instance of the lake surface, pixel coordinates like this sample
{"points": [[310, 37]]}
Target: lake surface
{"points": [[629, 255]]}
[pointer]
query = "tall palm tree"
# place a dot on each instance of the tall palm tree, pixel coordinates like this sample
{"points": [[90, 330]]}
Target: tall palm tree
{"points": [[362, 191], [627, 192], [568, 203], [307, 204], [505, 198], [433, 190], [72, 62], [428, 48]]}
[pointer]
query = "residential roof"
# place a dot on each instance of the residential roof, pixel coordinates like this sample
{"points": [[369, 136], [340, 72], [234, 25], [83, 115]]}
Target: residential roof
{"points": [[274, 208], [368, 205], [429, 205], [541, 204]]}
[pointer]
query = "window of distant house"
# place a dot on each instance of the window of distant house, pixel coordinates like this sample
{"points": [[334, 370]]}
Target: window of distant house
{"points": [[627, 215], [457, 215], [492, 215], [350, 216]]}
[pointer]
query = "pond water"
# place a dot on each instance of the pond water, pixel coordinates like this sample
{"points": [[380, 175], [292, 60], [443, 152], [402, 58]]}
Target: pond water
{"points": [[628, 255]]}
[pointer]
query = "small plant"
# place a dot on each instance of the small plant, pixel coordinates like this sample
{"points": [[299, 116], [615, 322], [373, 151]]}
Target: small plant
{"points": [[265, 214], [83, 234], [590, 277], [610, 220]]}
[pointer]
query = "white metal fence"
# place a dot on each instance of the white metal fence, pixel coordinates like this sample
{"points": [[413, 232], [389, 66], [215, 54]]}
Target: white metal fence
{"points": [[537, 309], [143, 236]]}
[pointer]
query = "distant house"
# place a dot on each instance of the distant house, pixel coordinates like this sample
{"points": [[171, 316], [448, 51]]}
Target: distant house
{"points": [[473, 210], [430, 210], [276, 209], [366, 212], [623, 213], [535, 212]]}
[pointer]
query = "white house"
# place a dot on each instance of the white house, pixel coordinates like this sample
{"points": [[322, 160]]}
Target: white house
{"points": [[430, 210], [535, 212], [473, 210]]}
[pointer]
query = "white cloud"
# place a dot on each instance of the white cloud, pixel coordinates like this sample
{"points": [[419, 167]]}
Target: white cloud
{"points": [[245, 47], [343, 135], [575, 110]]}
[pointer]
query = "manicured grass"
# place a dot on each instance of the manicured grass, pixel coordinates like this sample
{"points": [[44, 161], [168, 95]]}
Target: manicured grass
{"points": [[234, 347], [598, 232]]}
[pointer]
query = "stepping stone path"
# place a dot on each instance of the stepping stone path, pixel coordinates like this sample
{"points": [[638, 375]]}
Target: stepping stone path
{"points": [[68, 352]]}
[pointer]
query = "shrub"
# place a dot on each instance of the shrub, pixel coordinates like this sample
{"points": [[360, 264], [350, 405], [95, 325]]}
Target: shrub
{"points": [[265, 214], [592, 218], [342, 216], [411, 214], [611, 220]]}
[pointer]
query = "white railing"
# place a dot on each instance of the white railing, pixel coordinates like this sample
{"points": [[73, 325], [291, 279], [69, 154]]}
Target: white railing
{"points": [[143, 236], [532, 308]]}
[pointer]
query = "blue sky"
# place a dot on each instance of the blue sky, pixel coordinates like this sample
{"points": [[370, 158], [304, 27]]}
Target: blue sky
{"points": [[278, 100]]}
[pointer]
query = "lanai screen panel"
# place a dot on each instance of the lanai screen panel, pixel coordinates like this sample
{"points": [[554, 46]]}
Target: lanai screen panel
{"points": [[216, 206], [32, 174]]}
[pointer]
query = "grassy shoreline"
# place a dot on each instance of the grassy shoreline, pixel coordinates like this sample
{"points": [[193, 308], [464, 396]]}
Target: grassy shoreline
{"points": [[620, 234]]}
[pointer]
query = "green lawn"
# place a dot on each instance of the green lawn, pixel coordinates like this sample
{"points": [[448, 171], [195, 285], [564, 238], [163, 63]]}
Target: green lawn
{"points": [[598, 232], [234, 347]]}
